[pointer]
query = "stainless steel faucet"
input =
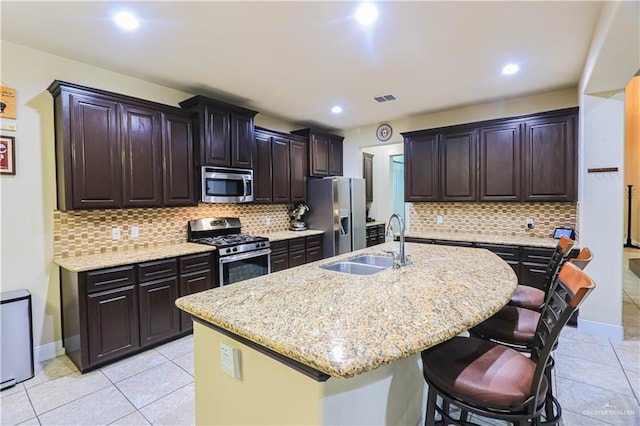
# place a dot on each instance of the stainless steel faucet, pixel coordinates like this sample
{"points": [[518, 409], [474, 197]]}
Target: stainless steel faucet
{"points": [[403, 258]]}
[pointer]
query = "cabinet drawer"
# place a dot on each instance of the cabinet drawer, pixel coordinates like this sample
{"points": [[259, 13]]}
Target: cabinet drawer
{"points": [[536, 254], [504, 251], [196, 262], [279, 247], [104, 279], [279, 262], [296, 244], [157, 269], [454, 243], [297, 258], [313, 254], [314, 241]]}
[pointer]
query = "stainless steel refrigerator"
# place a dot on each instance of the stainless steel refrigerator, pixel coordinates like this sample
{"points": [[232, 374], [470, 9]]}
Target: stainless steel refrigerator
{"points": [[337, 207]]}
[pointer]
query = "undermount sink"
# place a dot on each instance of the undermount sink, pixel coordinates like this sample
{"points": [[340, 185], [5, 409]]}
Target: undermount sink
{"points": [[361, 265], [369, 259]]}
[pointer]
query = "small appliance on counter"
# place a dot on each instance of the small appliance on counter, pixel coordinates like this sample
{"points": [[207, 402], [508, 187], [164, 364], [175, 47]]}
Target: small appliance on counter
{"points": [[296, 223]]}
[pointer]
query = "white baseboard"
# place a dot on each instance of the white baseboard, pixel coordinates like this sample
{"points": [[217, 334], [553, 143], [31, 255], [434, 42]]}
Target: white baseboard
{"points": [[48, 351], [601, 329]]}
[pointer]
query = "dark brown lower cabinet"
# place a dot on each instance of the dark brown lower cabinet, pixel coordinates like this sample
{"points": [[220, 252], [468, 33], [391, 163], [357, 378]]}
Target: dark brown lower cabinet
{"points": [[189, 284], [159, 316], [529, 263], [111, 313], [295, 252], [375, 234], [112, 323]]}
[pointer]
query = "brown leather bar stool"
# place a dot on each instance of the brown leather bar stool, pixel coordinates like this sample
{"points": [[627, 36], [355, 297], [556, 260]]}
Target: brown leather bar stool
{"points": [[514, 326], [530, 297], [485, 378]]}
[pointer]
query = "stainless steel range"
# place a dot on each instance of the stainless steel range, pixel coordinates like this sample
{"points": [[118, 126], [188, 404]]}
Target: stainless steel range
{"points": [[240, 256]]}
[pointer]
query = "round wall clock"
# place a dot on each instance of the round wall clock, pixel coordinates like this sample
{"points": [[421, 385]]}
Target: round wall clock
{"points": [[384, 132]]}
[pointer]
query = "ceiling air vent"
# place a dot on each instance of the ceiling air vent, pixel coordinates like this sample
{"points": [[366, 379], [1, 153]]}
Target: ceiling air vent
{"points": [[384, 98]]}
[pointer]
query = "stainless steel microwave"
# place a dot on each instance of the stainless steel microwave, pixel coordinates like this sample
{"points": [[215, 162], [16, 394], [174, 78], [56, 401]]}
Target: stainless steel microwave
{"points": [[226, 185]]}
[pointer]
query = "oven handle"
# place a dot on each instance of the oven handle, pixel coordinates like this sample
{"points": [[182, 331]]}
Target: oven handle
{"points": [[243, 256]]}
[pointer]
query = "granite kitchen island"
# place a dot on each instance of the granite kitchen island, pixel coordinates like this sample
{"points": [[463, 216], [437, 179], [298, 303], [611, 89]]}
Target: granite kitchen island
{"points": [[322, 347]]}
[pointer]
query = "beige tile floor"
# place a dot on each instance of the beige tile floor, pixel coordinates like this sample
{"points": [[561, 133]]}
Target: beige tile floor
{"points": [[597, 382]]}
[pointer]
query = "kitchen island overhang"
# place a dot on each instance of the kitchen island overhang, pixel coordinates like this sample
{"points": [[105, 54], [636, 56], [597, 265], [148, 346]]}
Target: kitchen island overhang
{"points": [[363, 331]]}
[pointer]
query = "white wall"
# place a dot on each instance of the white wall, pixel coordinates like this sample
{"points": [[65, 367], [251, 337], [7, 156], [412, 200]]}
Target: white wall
{"points": [[613, 59], [28, 199]]}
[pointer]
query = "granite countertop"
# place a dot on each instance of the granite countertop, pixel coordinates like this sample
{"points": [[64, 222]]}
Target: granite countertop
{"points": [[288, 235], [127, 257], [483, 238], [345, 325], [376, 222]]}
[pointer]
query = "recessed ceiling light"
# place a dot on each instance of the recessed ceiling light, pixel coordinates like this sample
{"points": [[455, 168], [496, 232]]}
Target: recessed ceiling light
{"points": [[336, 109], [510, 69], [127, 21], [367, 13]]}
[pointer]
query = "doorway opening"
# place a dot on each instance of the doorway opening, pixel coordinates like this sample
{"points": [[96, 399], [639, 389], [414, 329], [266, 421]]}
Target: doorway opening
{"points": [[397, 186]]}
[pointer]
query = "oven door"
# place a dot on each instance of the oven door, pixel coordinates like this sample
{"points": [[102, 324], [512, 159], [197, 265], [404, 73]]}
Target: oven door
{"points": [[243, 266]]}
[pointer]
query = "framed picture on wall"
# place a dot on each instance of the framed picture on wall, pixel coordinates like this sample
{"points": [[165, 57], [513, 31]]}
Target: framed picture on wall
{"points": [[7, 155]]}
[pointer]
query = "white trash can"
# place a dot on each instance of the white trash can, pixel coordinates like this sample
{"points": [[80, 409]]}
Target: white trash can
{"points": [[16, 339]]}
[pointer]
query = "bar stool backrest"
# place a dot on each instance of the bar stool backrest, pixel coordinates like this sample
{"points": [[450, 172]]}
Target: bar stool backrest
{"points": [[569, 290]]}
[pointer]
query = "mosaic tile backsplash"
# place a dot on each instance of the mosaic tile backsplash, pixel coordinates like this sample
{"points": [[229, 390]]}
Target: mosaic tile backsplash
{"points": [[85, 232], [493, 218]]}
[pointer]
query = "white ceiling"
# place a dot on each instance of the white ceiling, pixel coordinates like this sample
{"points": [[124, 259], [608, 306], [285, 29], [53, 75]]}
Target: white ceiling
{"points": [[295, 60]]}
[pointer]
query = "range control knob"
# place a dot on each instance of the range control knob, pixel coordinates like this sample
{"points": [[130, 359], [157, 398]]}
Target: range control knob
{"points": [[235, 249]]}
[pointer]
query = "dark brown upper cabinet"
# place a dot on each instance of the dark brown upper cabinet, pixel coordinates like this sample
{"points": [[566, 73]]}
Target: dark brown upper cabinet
{"points": [[299, 170], [550, 158], [527, 158], [262, 169], [224, 133], [367, 174], [499, 156], [177, 156], [115, 151], [325, 152], [458, 165], [281, 167], [421, 168], [141, 151]]}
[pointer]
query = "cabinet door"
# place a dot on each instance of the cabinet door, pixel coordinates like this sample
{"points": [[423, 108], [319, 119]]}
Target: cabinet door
{"points": [[421, 169], [95, 176], [549, 159], [262, 170], [335, 156], [142, 166], [159, 317], [189, 284], [367, 174], [243, 144], [216, 132], [112, 318], [500, 163], [281, 176], [298, 162], [458, 166], [178, 173], [318, 155]]}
